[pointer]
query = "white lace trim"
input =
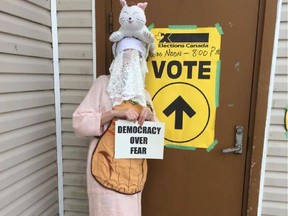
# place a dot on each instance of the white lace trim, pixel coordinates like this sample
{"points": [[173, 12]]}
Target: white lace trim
{"points": [[128, 71]]}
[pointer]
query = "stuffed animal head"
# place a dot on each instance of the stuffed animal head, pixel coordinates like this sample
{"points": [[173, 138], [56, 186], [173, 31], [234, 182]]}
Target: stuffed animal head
{"points": [[132, 18]]}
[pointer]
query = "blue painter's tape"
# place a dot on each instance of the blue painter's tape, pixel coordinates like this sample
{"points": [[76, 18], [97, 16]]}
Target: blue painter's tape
{"points": [[219, 28], [217, 90], [212, 145], [150, 27], [182, 27], [180, 147]]}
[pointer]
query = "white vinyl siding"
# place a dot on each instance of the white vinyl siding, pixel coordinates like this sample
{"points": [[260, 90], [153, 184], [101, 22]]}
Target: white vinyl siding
{"points": [[75, 61], [275, 197], [28, 167]]}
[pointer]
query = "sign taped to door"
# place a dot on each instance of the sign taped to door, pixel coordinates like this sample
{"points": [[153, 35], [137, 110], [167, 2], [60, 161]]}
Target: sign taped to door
{"points": [[183, 81]]}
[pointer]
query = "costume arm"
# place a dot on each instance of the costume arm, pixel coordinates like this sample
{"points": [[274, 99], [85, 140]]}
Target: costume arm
{"points": [[87, 116]]}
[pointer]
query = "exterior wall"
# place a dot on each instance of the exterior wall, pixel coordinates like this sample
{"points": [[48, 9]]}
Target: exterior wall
{"points": [[75, 61], [28, 169], [275, 197]]}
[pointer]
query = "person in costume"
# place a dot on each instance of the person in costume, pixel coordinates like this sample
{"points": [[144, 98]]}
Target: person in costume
{"points": [[115, 185]]}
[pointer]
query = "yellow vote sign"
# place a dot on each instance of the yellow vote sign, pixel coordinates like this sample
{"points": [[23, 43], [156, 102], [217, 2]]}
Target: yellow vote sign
{"points": [[183, 81]]}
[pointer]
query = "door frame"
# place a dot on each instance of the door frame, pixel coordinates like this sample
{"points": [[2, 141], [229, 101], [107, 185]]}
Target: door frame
{"points": [[260, 89]]}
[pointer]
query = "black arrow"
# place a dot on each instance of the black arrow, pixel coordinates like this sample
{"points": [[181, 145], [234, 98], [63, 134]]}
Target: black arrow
{"points": [[179, 105]]}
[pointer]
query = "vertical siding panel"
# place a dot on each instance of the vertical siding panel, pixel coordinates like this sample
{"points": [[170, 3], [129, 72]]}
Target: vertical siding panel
{"points": [[75, 53], [28, 180], [275, 197]]}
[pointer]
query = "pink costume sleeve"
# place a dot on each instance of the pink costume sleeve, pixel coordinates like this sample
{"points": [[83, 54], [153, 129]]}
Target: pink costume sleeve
{"points": [[87, 116]]}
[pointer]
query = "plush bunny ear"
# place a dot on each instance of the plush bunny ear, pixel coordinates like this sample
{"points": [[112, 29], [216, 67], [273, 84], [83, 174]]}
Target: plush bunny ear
{"points": [[123, 3], [142, 5]]}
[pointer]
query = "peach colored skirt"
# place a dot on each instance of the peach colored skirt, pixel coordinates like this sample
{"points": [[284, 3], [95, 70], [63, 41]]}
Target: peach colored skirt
{"points": [[105, 202]]}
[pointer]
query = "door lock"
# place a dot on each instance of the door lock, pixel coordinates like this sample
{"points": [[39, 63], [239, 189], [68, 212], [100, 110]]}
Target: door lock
{"points": [[238, 142]]}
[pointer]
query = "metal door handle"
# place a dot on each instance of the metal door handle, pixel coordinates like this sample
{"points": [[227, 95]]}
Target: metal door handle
{"points": [[238, 142]]}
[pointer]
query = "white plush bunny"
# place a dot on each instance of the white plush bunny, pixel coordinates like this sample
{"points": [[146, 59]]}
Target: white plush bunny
{"points": [[132, 20]]}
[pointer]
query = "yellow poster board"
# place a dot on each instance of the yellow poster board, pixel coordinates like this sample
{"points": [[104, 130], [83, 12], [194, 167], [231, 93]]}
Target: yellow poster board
{"points": [[183, 81]]}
